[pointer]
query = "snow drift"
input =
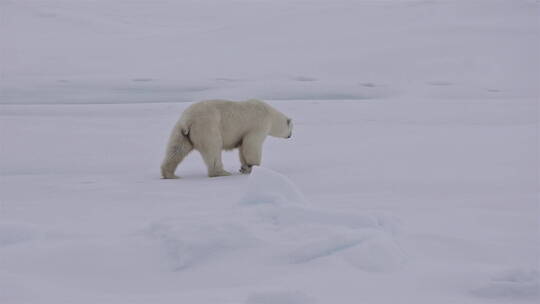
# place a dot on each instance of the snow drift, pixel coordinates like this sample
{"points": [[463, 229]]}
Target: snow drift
{"points": [[273, 217]]}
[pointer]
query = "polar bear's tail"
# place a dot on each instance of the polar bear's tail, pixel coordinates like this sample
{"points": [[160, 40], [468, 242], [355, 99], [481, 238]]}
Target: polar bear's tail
{"points": [[178, 147]]}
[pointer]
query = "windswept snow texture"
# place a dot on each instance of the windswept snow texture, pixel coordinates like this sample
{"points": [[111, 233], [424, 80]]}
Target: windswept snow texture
{"points": [[279, 235], [411, 177], [514, 284], [283, 297]]}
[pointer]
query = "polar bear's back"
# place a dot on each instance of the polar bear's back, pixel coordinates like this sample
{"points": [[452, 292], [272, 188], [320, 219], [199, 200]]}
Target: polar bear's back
{"points": [[227, 112], [233, 119]]}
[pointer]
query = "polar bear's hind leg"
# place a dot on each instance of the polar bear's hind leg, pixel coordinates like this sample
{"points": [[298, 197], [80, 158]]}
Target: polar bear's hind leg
{"points": [[177, 149]]}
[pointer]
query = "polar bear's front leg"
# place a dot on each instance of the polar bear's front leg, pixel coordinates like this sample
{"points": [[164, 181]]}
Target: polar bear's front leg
{"points": [[245, 168], [251, 151]]}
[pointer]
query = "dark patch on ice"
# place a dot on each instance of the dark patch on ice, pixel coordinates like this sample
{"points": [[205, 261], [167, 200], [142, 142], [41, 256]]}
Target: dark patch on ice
{"points": [[368, 84], [440, 83], [225, 79], [493, 90], [88, 182], [305, 78], [46, 15], [197, 88], [315, 96], [163, 89], [14, 233], [142, 79]]}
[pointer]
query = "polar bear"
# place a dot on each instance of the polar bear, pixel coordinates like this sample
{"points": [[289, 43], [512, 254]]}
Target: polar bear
{"points": [[215, 125]]}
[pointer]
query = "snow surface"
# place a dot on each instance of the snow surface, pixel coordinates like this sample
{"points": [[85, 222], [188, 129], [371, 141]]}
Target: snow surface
{"points": [[411, 177], [123, 51]]}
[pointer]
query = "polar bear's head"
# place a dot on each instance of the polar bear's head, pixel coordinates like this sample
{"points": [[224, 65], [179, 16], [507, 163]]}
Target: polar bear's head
{"points": [[282, 126]]}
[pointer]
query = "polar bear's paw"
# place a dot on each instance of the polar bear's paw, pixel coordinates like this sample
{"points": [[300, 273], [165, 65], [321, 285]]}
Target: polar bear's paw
{"points": [[219, 173], [170, 176], [245, 169]]}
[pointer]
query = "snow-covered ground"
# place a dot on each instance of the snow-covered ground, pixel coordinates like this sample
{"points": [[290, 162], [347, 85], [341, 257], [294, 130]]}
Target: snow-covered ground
{"points": [[123, 51], [411, 177]]}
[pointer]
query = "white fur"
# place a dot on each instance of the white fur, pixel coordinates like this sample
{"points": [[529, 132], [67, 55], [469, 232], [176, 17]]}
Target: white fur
{"points": [[215, 125]]}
